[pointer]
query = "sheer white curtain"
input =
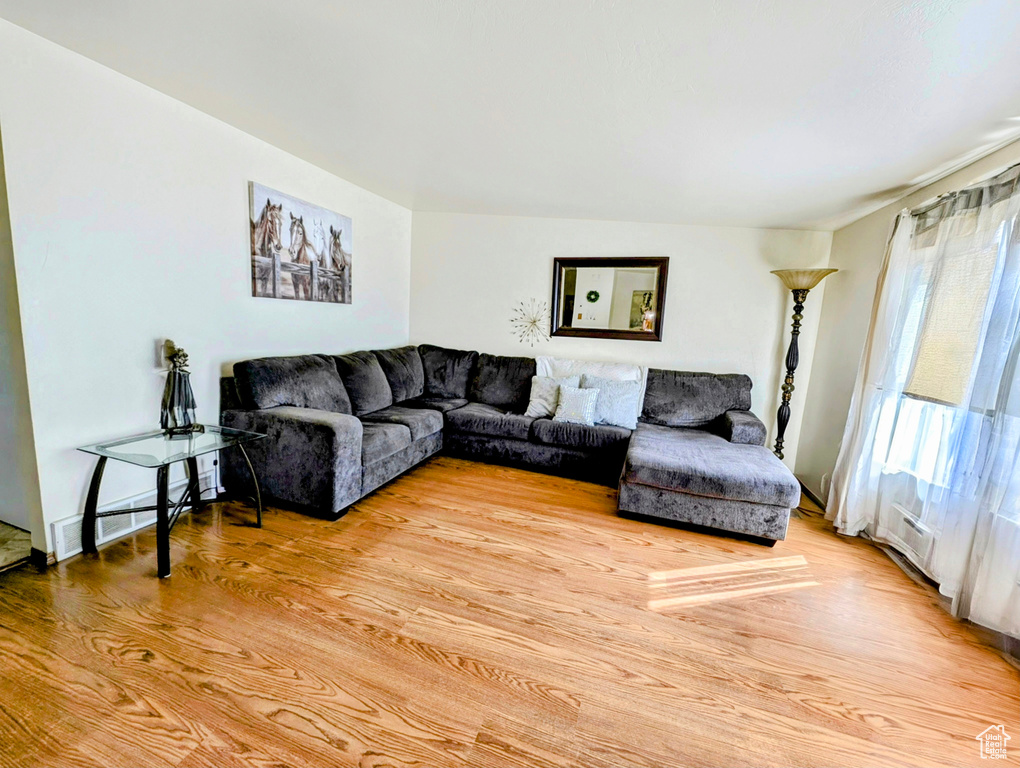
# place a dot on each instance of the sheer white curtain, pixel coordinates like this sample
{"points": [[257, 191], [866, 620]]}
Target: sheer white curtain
{"points": [[930, 460]]}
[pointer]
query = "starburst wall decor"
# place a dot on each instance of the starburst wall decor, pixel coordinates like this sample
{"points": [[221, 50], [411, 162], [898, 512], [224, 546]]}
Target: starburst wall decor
{"points": [[530, 322]]}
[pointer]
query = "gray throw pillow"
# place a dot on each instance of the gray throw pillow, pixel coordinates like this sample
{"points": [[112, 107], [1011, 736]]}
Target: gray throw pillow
{"points": [[545, 394], [577, 406], [617, 402]]}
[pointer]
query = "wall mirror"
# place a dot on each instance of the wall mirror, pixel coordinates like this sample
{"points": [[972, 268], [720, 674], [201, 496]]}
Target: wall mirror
{"points": [[609, 298]]}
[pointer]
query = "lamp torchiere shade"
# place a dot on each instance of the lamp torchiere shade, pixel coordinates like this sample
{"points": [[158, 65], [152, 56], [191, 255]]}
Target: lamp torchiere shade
{"points": [[800, 281]]}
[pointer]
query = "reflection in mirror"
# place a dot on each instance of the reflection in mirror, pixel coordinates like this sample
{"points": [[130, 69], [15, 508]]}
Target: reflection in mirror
{"points": [[609, 298]]}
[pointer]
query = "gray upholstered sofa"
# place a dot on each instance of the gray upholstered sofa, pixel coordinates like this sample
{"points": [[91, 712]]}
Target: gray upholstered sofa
{"points": [[341, 426]]}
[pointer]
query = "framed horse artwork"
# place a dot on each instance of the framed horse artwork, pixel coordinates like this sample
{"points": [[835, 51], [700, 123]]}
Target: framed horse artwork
{"points": [[298, 250]]}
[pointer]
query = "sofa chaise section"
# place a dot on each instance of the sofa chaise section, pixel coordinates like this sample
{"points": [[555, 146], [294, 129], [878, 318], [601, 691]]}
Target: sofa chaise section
{"points": [[702, 459]]}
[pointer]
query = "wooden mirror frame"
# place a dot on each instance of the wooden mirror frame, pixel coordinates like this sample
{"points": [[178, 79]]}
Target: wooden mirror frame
{"points": [[661, 263]]}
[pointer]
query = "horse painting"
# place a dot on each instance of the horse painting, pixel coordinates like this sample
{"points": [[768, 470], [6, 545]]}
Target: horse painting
{"points": [[301, 252], [308, 261], [265, 242], [340, 262]]}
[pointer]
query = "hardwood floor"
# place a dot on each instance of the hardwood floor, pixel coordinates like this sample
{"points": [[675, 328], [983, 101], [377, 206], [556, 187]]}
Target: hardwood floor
{"points": [[15, 545], [475, 615]]}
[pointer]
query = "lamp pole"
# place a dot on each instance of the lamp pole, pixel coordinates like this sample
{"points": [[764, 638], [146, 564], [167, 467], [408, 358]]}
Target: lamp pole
{"points": [[792, 359], [799, 281]]}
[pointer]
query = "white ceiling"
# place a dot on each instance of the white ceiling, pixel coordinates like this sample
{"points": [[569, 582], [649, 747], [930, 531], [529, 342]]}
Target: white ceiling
{"points": [[800, 113]]}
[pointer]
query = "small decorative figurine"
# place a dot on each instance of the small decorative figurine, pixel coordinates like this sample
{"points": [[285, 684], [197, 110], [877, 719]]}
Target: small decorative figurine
{"points": [[177, 415]]}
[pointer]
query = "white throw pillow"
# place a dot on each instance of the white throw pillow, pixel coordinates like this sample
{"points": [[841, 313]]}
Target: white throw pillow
{"points": [[577, 406], [545, 394], [562, 366], [617, 402]]}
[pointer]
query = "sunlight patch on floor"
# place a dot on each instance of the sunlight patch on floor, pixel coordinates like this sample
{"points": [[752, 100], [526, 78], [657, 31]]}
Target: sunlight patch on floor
{"points": [[705, 584]]}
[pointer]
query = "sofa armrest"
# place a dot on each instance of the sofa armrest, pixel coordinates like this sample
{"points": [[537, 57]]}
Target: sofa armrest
{"points": [[740, 427], [309, 457]]}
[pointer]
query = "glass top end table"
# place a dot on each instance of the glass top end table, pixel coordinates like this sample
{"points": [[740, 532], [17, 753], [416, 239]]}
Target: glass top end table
{"points": [[155, 449], [158, 450]]}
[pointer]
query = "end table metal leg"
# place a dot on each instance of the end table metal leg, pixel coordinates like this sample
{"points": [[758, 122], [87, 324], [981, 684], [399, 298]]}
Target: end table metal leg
{"points": [[255, 483], [162, 523], [88, 525], [194, 487]]}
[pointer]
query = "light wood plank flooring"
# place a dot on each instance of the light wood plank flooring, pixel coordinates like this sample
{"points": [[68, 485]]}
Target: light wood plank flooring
{"points": [[475, 615]]}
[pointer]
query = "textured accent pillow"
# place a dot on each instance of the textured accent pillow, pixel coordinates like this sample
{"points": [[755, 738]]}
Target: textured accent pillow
{"points": [[577, 406], [561, 366], [618, 401], [545, 394]]}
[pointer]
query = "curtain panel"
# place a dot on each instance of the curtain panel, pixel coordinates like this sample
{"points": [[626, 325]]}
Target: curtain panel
{"points": [[930, 458]]}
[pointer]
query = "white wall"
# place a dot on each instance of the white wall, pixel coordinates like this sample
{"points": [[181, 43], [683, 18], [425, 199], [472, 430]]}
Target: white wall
{"points": [[857, 251], [724, 311], [129, 214], [19, 480]]}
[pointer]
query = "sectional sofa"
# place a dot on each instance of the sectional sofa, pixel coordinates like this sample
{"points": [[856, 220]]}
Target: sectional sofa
{"points": [[339, 427]]}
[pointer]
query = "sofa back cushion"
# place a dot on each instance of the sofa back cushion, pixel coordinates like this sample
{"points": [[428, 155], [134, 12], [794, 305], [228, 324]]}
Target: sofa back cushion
{"points": [[503, 382], [305, 381], [365, 382], [447, 372], [404, 372], [229, 399], [686, 399]]}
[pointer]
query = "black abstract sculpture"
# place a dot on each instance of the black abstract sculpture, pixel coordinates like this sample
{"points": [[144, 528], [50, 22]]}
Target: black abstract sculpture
{"points": [[177, 414], [800, 281]]}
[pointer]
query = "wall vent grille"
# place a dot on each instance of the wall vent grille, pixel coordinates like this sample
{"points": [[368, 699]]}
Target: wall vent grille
{"points": [[914, 536], [67, 532]]}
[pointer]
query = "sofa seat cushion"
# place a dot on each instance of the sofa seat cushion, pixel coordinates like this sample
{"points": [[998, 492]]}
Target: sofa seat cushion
{"points": [[420, 421], [403, 370], [567, 435], [379, 440], [481, 419], [697, 462], [304, 381], [503, 382], [365, 381], [447, 372], [441, 404]]}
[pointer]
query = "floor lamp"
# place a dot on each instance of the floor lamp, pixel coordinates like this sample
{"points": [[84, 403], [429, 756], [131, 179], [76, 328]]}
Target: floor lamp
{"points": [[800, 281]]}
